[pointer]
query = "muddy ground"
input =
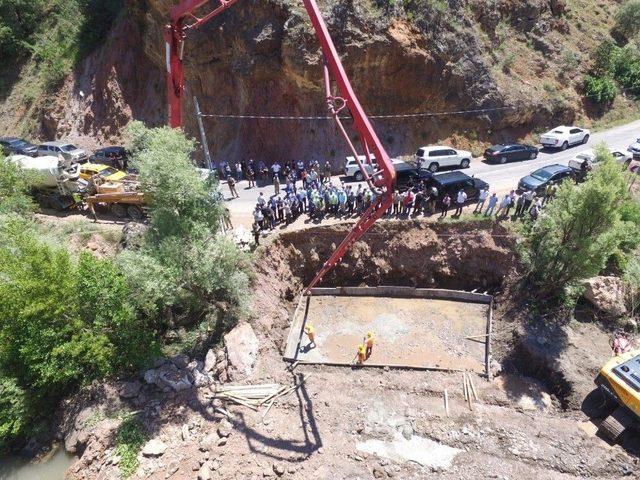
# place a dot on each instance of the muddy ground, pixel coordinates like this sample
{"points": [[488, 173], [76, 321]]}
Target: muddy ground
{"points": [[530, 421]]}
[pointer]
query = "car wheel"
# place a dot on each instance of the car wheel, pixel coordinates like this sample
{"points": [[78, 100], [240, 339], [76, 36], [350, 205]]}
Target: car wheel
{"points": [[433, 167], [135, 212], [119, 210], [503, 160], [564, 146], [533, 156], [585, 139], [358, 176], [465, 163]]}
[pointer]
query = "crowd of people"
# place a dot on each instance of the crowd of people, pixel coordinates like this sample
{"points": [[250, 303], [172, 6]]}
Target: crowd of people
{"points": [[316, 196]]}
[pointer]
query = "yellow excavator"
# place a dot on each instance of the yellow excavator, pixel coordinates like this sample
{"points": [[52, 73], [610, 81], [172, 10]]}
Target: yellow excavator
{"points": [[619, 381]]}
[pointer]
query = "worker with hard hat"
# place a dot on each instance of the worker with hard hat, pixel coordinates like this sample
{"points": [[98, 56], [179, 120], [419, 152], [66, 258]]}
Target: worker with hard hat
{"points": [[362, 352], [311, 334], [369, 344]]}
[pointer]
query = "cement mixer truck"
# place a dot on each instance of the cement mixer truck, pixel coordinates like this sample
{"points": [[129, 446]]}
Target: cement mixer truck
{"points": [[55, 180]]}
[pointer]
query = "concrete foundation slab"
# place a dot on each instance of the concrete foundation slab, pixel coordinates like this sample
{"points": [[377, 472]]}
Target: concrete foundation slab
{"points": [[421, 328]]}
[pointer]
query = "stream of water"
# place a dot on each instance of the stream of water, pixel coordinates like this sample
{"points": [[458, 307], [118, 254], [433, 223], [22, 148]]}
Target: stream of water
{"points": [[51, 468]]}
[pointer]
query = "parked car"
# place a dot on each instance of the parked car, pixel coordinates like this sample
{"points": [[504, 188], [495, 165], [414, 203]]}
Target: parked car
{"points": [[115, 156], [564, 137], [18, 146], [634, 149], [539, 179], [67, 150], [434, 158], [88, 170], [510, 152], [590, 156], [352, 170], [453, 182], [408, 178]]}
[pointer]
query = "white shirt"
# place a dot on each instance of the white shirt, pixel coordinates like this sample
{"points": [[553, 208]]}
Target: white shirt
{"points": [[484, 193], [462, 197], [275, 167], [261, 200]]}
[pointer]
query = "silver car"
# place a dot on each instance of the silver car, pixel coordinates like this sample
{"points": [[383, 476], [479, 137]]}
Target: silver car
{"points": [[66, 149]]}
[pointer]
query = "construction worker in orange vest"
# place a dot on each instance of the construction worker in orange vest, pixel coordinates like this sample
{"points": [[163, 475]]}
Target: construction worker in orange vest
{"points": [[311, 333], [369, 344], [362, 352]]}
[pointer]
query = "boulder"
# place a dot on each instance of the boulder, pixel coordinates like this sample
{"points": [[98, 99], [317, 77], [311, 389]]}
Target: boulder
{"points": [[606, 294], [241, 346], [205, 471], [200, 379], [210, 361], [154, 448], [181, 361], [130, 389], [75, 442]]}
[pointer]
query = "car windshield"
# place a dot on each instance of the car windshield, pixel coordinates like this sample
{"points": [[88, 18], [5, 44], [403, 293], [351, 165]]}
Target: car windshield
{"points": [[542, 174], [68, 148]]}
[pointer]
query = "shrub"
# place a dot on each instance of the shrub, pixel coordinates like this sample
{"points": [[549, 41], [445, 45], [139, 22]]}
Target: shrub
{"points": [[600, 89], [14, 188], [14, 411], [580, 230], [129, 440], [627, 20]]}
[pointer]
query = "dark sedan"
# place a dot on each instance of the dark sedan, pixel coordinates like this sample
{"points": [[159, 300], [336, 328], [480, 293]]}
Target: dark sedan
{"points": [[14, 145], [539, 179], [116, 157], [511, 152]]}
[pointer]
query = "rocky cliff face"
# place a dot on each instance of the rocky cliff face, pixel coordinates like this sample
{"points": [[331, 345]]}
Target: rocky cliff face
{"points": [[261, 57]]}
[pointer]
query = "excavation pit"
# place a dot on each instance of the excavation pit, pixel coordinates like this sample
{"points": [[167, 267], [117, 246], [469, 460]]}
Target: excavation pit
{"points": [[419, 328]]}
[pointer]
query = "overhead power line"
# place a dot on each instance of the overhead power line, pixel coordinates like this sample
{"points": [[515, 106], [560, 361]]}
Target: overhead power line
{"points": [[328, 117]]}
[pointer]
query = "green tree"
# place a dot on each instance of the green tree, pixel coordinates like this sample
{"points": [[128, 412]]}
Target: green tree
{"points": [[580, 230], [185, 270], [14, 412], [63, 322]]}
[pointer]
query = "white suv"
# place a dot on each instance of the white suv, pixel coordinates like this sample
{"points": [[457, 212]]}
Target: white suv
{"points": [[433, 158], [352, 170], [564, 137]]}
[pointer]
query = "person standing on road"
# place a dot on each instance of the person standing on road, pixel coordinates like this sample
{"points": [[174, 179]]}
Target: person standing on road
{"points": [[493, 201], [261, 200], [327, 171], [276, 184], [528, 198], [504, 204], [239, 171], [258, 217], [446, 203], [512, 201], [251, 177], [433, 198], [232, 187], [460, 201], [482, 197], [519, 206], [275, 168], [548, 192]]}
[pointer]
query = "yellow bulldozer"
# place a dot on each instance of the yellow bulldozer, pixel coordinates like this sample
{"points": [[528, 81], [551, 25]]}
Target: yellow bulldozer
{"points": [[619, 381]]}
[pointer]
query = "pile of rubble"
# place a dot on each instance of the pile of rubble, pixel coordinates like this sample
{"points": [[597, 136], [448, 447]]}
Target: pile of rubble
{"points": [[178, 373]]}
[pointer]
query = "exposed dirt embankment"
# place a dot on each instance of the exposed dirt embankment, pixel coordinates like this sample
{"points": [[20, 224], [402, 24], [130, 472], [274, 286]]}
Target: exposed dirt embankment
{"points": [[263, 58]]}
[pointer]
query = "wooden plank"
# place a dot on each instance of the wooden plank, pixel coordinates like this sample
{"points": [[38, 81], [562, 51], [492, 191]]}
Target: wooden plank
{"points": [[487, 347]]}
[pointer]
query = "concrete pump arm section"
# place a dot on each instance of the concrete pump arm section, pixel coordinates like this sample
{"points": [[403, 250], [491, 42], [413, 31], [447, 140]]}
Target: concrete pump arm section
{"points": [[381, 182]]}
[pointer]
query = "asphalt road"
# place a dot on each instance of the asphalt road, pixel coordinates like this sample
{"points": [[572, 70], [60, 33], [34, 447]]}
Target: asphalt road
{"points": [[501, 178]]}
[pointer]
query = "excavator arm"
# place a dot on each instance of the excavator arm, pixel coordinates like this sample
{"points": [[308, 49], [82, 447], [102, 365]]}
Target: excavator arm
{"points": [[184, 18]]}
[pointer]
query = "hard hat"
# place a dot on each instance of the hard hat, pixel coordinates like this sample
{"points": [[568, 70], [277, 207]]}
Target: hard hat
{"points": [[369, 334]]}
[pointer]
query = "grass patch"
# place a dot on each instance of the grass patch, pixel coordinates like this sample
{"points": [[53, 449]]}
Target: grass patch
{"points": [[129, 440]]}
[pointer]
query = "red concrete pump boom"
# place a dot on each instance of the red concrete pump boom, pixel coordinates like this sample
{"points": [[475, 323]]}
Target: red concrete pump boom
{"points": [[381, 182]]}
